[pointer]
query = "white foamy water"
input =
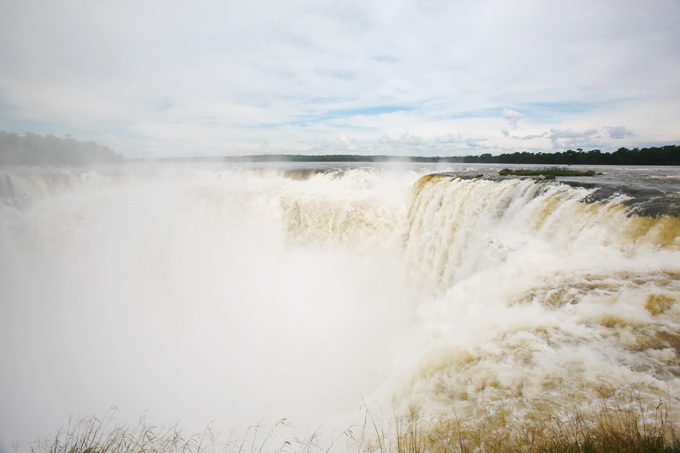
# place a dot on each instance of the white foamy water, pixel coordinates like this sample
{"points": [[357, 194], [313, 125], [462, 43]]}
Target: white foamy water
{"points": [[539, 300], [231, 296]]}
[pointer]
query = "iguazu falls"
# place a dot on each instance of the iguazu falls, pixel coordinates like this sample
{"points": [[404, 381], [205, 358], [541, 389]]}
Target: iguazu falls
{"points": [[348, 307], [339, 226]]}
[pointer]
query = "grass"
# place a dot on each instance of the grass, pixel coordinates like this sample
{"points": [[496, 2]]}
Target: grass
{"points": [[624, 426], [95, 435], [548, 173], [108, 435]]}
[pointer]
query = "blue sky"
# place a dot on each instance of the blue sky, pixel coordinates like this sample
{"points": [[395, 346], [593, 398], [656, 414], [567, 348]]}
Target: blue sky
{"points": [[155, 78]]}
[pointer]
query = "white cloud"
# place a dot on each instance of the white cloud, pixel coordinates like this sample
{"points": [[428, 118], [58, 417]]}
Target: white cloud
{"points": [[570, 138], [406, 138], [619, 132], [507, 134], [96, 69], [512, 116]]}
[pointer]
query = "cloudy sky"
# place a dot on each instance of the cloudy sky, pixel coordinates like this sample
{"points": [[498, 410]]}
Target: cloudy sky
{"points": [[155, 78]]}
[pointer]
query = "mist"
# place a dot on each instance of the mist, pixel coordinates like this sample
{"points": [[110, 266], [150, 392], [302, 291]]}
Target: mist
{"points": [[187, 295]]}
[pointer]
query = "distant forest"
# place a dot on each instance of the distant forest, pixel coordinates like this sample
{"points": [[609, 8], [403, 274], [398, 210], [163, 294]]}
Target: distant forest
{"points": [[666, 155], [34, 149]]}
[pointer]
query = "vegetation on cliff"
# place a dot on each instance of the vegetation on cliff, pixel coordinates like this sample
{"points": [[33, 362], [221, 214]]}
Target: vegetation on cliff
{"points": [[34, 149], [548, 173]]}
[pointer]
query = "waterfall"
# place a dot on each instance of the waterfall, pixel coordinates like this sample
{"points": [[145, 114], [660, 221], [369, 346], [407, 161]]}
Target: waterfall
{"points": [[205, 293]]}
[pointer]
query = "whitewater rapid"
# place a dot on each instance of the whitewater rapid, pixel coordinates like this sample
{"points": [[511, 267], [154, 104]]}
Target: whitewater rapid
{"points": [[542, 302], [218, 295]]}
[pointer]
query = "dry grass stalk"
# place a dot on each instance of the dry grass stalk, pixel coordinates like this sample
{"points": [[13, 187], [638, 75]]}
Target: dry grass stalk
{"points": [[621, 425]]}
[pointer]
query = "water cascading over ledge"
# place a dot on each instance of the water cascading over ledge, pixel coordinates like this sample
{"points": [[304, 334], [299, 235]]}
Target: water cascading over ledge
{"points": [[542, 305], [491, 306]]}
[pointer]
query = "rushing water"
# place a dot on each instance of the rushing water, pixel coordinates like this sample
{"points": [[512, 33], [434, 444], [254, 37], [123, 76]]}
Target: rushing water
{"points": [[223, 295]]}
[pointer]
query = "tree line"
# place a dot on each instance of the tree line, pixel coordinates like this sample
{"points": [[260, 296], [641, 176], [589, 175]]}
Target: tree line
{"points": [[34, 149], [666, 155]]}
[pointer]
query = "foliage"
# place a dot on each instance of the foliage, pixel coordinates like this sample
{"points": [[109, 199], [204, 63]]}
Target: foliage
{"points": [[34, 149], [666, 155], [548, 173]]}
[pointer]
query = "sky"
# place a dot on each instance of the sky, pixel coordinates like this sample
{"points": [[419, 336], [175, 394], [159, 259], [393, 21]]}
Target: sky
{"points": [[172, 78]]}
